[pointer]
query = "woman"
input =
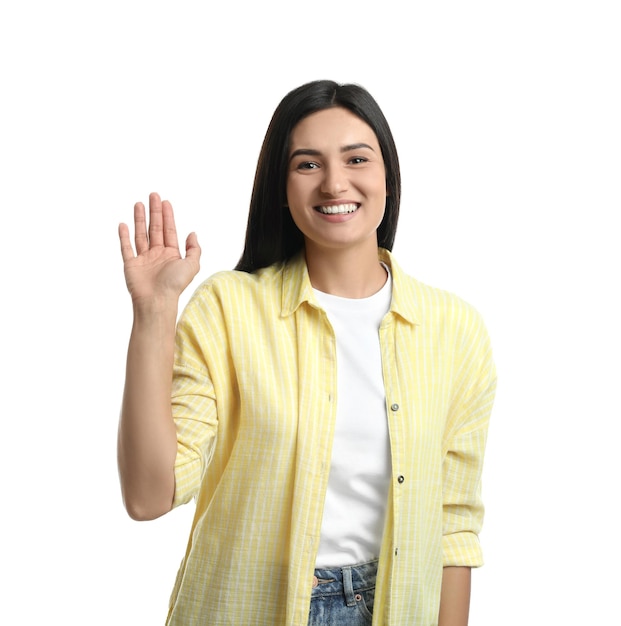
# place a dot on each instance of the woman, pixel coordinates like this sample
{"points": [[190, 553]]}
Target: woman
{"points": [[329, 413]]}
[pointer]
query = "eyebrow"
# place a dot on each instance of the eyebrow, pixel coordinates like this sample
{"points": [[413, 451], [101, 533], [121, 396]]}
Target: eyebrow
{"points": [[312, 152]]}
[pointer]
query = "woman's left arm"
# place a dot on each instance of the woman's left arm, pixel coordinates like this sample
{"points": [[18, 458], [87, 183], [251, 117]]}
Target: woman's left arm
{"points": [[465, 440], [455, 597]]}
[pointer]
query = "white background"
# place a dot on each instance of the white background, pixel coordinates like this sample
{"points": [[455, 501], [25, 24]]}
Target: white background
{"points": [[507, 120]]}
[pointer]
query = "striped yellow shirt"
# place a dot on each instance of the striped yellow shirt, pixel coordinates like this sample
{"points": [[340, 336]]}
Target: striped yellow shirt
{"points": [[254, 401]]}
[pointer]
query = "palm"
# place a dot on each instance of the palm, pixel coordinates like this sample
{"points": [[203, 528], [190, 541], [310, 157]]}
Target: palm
{"points": [[157, 269]]}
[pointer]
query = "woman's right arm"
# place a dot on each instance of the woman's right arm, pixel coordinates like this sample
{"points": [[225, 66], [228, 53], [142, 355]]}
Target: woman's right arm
{"points": [[156, 275]]}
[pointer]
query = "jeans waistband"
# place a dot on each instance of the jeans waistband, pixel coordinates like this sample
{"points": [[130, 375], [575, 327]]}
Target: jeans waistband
{"points": [[345, 580]]}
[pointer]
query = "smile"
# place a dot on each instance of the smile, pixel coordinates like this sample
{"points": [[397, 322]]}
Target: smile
{"points": [[337, 209]]}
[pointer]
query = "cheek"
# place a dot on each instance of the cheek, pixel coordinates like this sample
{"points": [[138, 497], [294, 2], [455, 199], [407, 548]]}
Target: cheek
{"points": [[294, 207], [293, 192], [298, 193]]}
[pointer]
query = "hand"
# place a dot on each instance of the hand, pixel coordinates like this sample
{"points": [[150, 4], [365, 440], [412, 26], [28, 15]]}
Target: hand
{"points": [[157, 270]]}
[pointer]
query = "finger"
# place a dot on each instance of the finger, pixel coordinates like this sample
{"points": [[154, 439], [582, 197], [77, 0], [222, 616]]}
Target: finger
{"points": [[140, 229], [169, 228], [192, 248], [156, 237], [127, 252]]}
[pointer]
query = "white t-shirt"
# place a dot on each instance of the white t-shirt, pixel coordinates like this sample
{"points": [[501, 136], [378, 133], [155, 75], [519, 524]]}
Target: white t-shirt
{"points": [[355, 506]]}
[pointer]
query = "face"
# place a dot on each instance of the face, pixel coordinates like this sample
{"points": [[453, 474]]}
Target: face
{"points": [[336, 182]]}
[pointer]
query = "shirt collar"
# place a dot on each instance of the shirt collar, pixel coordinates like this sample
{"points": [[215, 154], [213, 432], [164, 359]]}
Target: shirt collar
{"points": [[297, 288]]}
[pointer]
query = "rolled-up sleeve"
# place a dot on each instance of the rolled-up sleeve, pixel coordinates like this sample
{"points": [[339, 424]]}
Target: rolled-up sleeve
{"points": [[464, 450], [193, 405]]}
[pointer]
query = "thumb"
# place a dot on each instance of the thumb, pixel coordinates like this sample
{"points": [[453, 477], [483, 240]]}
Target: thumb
{"points": [[192, 248]]}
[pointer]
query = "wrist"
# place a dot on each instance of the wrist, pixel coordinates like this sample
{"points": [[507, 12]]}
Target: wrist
{"points": [[158, 315]]}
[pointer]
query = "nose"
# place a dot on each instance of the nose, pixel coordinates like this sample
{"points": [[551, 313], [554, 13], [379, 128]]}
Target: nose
{"points": [[334, 180]]}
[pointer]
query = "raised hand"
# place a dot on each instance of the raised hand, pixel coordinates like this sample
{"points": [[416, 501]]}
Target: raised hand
{"points": [[157, 270]]}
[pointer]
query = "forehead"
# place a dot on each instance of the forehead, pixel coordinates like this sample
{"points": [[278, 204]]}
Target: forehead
{"points": [[335, 126]]}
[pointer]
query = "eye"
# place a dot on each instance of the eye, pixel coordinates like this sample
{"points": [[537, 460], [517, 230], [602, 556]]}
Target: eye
{"points": [[357, 160], [307, 165]]}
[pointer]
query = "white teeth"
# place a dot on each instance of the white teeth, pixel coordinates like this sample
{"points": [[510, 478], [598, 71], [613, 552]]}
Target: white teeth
{"points": [[338, 209]]}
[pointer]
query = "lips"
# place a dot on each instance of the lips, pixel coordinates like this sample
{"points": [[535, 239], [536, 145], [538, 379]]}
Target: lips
{"points": [[337, 209]]}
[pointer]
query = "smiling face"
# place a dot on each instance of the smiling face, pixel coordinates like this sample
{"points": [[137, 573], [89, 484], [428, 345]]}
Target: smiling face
{"points": [[336, 182]]}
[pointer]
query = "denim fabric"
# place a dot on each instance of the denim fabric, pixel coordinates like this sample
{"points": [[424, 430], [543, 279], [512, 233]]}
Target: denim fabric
{"points": [[343, 596]]}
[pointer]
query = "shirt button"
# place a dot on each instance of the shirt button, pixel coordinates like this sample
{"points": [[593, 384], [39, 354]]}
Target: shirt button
{"points": [[394, 407], [400, 478]]}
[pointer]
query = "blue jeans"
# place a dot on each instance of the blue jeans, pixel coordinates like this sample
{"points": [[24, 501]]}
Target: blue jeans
{"points": [[343, 596]]}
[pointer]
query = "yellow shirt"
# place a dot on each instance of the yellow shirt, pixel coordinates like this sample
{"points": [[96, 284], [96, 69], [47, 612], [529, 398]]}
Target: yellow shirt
{"points": [[254, 401]]}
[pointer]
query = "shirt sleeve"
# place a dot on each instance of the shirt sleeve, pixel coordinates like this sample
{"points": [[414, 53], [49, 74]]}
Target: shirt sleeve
{"points": [[193, 402], [464, 448]]}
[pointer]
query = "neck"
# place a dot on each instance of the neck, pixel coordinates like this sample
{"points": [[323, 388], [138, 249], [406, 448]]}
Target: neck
{"points": [[346, 273]]}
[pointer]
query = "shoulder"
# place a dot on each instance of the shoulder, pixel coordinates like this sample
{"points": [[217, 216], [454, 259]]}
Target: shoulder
{"points": [[425, 304], [454, 326], [232, 295], [235, 283], [438, 300]]}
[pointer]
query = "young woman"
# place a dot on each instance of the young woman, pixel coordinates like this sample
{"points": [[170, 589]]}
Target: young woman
{"points": [[326, 412]]}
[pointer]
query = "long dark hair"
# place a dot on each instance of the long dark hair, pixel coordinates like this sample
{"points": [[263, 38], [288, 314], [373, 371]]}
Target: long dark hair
{"points": [[271, 234]]}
